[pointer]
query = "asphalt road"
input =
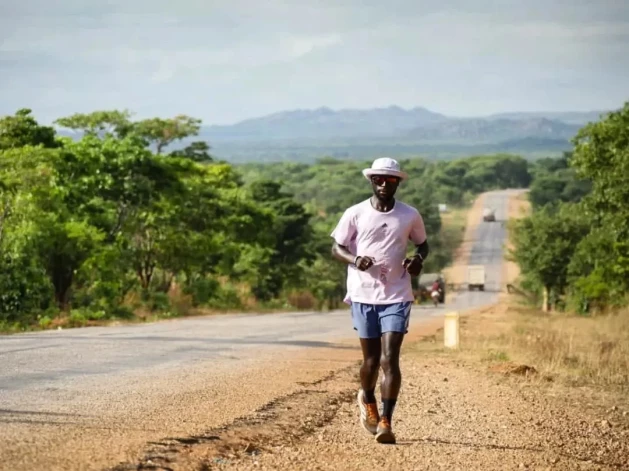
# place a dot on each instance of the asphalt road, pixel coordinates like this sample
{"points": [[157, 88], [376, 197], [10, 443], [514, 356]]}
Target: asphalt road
{"points": [[58, 372]]}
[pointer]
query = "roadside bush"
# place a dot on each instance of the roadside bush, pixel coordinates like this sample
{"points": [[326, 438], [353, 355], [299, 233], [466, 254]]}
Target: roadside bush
{"points": [[25, 290], [593, 272], [227, 297], [157, 301], [202, 290], [80, 317]]}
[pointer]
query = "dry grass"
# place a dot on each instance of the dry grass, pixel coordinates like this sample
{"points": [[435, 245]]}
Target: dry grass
{"points": [[579, 350], [567, 349], [302, 299]]}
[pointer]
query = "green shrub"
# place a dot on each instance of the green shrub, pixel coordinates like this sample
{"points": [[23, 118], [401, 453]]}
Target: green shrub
{"points": [[202, 290], [226, 298], [157, 301], [24, 289]]}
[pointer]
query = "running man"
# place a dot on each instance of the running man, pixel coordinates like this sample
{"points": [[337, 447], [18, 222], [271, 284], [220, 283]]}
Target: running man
{"points": [[372, 238]]}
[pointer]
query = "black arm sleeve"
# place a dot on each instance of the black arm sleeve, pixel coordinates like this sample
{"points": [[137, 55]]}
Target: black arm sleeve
{"points": [[422, 249]]}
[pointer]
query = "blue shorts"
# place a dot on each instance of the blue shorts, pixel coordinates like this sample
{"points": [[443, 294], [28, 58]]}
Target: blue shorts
{"points": [[373, 320]]}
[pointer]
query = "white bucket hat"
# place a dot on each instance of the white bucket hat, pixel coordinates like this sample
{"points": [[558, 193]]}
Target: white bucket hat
{"points": [[385, 166]]}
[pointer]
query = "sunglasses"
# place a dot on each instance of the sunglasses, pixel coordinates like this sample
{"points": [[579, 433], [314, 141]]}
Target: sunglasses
{"points": [[380, 180]]}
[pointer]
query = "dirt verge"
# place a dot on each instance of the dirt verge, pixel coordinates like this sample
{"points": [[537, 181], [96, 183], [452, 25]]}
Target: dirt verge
{"points": [[457, 410]]}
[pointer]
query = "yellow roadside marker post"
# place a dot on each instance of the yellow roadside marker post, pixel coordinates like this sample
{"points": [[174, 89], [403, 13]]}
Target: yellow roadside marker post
{"points": [[451, 330]]}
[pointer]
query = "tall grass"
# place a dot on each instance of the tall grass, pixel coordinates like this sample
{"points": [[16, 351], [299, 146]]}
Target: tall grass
{"points": [[582, 350]]}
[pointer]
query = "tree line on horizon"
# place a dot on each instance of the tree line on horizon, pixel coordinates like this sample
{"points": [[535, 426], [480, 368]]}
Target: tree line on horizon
{"points": [[113, 225]]}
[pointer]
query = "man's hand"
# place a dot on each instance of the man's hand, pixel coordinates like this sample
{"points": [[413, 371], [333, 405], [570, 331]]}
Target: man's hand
{"points": [[413, 265], [364, 263]]}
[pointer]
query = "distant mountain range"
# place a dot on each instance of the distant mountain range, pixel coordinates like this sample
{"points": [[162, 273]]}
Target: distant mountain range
{"points": [[326, 123], [396, 122], [307, 135], [357, 133], [491, 130]]}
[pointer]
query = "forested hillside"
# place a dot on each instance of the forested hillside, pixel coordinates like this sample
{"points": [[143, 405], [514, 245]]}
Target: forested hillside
{"points": [[113, 226]]}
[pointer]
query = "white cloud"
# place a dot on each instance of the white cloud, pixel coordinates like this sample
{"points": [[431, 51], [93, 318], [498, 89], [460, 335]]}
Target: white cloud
{"points": [[164, 73], [224, 61], [300, 46]]}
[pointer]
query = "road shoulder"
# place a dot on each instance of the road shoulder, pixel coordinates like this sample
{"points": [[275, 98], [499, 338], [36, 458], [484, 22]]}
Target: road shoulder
{"points": [[456, 411]]}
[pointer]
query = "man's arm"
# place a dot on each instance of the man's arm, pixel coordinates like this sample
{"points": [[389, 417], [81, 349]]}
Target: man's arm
{"points": [[343, 234], [415, 264], [422, 249], [342, 253]]}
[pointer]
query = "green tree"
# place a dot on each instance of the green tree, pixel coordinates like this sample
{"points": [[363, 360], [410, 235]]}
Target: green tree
{"points": [[111, 180], [23, 130], [599, 271], [548, 165], [25, 181], [64, 245], [162, 132], [560, 186], [292, 234], [601, 155], [159, 132], [544, 244], [111, 122], [198, 151], [62, 241]]}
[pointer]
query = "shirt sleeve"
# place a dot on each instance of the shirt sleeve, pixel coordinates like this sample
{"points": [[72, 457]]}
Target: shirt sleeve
{"points": [[418, 230], [345, 230]]}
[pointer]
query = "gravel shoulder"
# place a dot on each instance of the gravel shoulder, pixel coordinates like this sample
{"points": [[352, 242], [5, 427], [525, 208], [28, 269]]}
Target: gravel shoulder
{"points": [[454, 413]]}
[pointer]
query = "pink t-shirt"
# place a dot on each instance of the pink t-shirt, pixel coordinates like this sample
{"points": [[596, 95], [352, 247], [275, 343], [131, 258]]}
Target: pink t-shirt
{"points": [[383, 236]]}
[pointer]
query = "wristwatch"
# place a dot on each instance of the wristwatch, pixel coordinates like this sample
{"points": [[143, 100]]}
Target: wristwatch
{"points": [[357, 257]]}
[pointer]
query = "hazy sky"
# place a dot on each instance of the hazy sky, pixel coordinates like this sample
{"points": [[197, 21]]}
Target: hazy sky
{"points": [[223, 61]]}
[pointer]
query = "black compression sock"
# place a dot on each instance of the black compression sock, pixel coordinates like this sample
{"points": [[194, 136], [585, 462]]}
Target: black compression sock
{"points": [[387, 408], [370, 396]]}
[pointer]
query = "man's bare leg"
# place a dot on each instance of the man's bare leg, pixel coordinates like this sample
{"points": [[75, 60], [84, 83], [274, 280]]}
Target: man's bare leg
{"points": [[391, 382], [372, 351]]}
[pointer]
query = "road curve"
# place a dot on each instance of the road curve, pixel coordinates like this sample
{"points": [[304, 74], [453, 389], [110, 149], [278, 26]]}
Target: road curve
{"points": [[74, 378]]}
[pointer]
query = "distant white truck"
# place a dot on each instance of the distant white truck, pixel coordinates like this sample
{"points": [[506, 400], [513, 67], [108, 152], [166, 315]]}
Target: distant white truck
{"points": [[476, 277], [489, 215]]}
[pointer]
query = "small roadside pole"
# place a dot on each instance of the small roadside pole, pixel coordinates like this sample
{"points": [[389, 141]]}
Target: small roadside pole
{"points": [[451, 330]]}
